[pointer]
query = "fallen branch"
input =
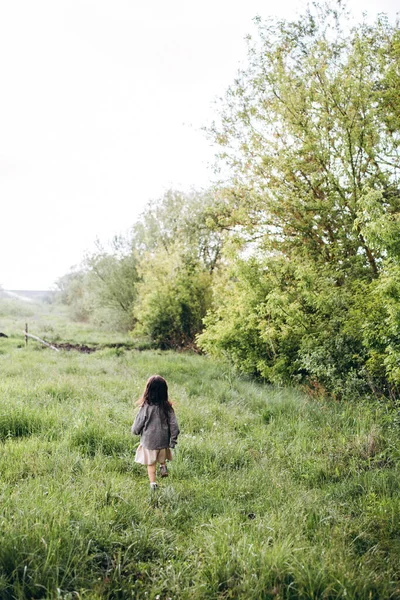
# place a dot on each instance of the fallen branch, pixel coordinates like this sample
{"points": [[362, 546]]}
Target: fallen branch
{"points": [[35, 337]]}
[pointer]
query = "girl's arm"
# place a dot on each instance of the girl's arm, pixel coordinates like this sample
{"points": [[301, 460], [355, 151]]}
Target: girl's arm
{"points": [[139, 422], [173, 428]]}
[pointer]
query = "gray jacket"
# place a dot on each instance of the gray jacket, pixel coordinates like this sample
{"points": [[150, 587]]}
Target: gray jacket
{"points": [[155, 429]]}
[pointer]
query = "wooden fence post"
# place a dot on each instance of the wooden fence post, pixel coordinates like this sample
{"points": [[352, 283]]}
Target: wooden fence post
{"points": [[26, 334], [35, 337]]}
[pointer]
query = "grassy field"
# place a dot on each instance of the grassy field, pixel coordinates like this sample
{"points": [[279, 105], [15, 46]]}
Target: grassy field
{"points": [[271, 494]]}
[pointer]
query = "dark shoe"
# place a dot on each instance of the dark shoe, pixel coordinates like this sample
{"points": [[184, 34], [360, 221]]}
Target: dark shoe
{"points": [[163, 471]]}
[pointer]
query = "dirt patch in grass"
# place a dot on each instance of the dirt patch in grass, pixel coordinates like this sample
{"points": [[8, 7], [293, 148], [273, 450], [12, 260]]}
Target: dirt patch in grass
{"points": [[78, 347], [89, 349]]}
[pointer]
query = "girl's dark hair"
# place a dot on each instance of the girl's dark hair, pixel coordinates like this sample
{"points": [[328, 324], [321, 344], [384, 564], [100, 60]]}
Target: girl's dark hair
{"points": [[156, 392]]}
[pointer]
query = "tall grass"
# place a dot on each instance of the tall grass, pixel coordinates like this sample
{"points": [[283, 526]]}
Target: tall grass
{"points": [[51, 323], [270, 494]]}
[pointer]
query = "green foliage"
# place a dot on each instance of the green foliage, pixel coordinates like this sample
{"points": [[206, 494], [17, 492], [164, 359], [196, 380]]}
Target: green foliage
{"points": [[288, 324], [310, 132], [112, 281], [179, 255], [173, 298], [74, 293], [291, 324], [180, 222], [304, 136], [291, 264], [157, 282], [104, 289]]}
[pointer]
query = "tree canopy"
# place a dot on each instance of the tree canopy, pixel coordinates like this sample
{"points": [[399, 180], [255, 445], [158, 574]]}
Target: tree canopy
{"points": [[290, 266], [309, 132]]}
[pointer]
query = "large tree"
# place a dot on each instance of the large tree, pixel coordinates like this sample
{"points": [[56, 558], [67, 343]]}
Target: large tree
{"points": [[179, 253], [309, 135], [179, 222], [306, 131]]}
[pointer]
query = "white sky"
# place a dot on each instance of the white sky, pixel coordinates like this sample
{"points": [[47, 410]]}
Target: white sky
{"points": [[101, 106]]}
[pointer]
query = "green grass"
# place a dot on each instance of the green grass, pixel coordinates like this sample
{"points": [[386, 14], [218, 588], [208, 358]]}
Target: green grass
{"points": [[51, 323], [270, 494]]}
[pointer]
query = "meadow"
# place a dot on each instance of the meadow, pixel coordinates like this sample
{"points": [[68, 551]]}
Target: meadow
{"points": [[271, 494]]}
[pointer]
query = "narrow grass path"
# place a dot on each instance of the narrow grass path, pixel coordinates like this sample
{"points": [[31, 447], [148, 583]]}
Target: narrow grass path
{"points": [[270, 495]]}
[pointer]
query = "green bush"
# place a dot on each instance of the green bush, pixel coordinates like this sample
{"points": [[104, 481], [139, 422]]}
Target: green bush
{"points": [[174, 296], [290, 323]]}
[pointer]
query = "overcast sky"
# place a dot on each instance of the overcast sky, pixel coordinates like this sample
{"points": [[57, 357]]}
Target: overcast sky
{"points": [[101, 108]]}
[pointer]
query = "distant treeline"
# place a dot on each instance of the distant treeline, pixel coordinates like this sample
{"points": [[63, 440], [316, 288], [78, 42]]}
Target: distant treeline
{"points": [[290, 267]]}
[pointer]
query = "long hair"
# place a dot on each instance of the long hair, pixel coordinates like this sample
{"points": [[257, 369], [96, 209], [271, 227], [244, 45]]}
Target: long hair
{"points": [[156, 393]]}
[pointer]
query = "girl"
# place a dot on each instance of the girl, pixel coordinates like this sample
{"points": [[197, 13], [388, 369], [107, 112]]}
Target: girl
{"points": [[156, 424]]}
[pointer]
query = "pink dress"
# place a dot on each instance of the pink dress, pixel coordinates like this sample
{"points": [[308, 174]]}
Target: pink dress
{"points": [[144, 456]]}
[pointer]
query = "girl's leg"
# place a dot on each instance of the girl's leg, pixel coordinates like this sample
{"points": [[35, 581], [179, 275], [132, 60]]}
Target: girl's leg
{"points": [[163, 470], [151, 471]]}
